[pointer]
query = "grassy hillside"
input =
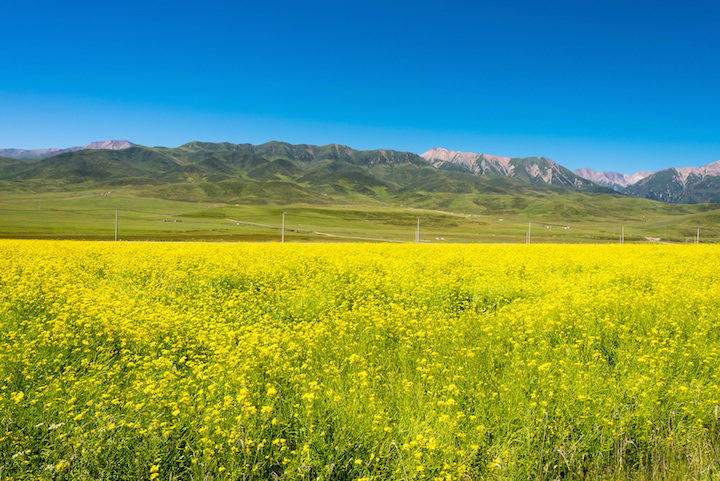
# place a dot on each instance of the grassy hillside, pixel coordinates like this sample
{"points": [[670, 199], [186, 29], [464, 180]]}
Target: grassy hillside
{"points": [[330, 169], [667, 186], [239, 191]]}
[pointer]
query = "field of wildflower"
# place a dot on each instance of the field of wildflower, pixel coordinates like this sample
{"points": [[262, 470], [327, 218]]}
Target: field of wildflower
{"points": [[345, 362]]}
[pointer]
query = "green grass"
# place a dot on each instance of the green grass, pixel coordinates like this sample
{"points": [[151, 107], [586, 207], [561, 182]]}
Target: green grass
{"points": [[464, 218]]}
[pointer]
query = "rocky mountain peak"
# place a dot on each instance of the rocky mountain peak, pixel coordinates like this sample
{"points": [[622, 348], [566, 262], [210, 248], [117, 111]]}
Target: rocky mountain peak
{"points": [[475, 163], [45, 153], [614, 180], [536, 170], [109, 144]]}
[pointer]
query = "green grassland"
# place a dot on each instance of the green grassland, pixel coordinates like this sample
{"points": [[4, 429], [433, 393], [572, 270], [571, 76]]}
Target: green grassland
{"points": [[464, 218]]}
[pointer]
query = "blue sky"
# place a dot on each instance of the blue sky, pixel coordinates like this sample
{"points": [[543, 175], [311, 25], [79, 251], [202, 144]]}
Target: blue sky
{"points": [[611, 85]]}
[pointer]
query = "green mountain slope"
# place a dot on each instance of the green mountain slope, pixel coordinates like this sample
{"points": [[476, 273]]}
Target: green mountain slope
{"points": [[688, 185], [330, 170], [542, 171], [538, 171], [278, 172], [96, 165], [309, 153]]}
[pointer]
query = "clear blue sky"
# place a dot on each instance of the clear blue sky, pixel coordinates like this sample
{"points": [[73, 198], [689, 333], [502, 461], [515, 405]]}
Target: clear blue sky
{"points": [[611, 85]]}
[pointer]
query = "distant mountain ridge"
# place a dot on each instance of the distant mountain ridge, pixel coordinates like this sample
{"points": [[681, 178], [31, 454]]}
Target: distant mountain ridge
{"points": [[45, 153], [613, 180], [534, 170], [308, 153], [476, 163], [276, 172], [337, 169], [688, 185]]}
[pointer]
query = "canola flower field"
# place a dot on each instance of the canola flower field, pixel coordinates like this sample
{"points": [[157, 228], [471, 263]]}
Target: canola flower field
{"points": [[349, 362]]}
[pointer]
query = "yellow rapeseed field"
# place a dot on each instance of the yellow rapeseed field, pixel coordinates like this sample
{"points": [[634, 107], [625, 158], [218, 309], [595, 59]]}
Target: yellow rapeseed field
{"points": [[280, 361]]}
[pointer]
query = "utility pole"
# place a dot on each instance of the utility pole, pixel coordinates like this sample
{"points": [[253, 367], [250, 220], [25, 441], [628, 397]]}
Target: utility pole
{"points": [[417, 232], [622, 236], [116, 224], [697, 239], [529, 232], [283, 227]]}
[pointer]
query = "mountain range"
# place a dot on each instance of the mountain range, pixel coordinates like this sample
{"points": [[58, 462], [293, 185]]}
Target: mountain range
{"points": [[45, 153], [282, 173], [306, 171], [677, 185], [680, 185], [534, 170], [614, 180]]}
